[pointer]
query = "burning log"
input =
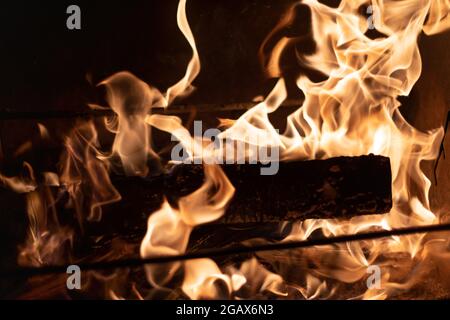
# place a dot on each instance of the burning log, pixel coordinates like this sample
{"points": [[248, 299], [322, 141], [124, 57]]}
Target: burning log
{"points": [[341, 187]]}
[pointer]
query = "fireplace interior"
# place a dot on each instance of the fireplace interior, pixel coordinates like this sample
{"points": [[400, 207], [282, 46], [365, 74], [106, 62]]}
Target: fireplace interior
{"points": [[87, 175]]}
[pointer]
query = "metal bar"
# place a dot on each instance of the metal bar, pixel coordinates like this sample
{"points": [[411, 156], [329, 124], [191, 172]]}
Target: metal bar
{"points": [[214, 253], [93, 113]]}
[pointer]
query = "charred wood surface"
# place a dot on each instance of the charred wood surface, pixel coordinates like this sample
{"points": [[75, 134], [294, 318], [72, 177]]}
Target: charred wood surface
{"points": [[340, 187]]}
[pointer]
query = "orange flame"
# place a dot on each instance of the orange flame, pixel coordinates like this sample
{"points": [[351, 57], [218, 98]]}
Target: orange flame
{"points": [[354, 111], [169, 229]]}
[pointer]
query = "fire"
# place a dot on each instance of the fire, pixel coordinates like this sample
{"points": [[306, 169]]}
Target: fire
{"points": [[131, 99], [354, 111], [169, 229], [183, 87], [85, 176]]}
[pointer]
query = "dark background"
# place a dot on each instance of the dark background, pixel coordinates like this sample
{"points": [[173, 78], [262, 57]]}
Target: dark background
{"points": [[47, 66]]}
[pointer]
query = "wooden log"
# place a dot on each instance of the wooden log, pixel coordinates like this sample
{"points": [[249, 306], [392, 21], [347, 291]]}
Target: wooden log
{"points": [[341, 187]]}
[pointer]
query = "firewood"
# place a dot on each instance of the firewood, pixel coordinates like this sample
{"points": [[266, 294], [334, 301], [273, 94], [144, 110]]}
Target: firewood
{"points": [[341, 187]]}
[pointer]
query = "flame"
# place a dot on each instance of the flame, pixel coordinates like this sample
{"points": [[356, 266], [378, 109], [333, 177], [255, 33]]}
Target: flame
{"points": [[169, 229], [183, 87], [85, 176], [132, 100], [354, 111], [17, 184], [84, 169], [47, 241]]}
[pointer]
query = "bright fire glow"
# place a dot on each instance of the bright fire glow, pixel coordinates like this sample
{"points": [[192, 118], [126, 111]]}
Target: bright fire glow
{"points": [[354, 111]]}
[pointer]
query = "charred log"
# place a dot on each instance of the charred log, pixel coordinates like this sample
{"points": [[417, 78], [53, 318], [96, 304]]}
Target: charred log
{"points": [[341, 187]]}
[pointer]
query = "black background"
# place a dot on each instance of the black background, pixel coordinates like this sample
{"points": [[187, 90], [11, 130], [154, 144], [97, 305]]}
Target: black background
{"points": [[45, 66]]}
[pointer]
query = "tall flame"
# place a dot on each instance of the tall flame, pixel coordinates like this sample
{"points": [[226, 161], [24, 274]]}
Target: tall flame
{"points": [[132, 100], [183, 87], [169, 229]]}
